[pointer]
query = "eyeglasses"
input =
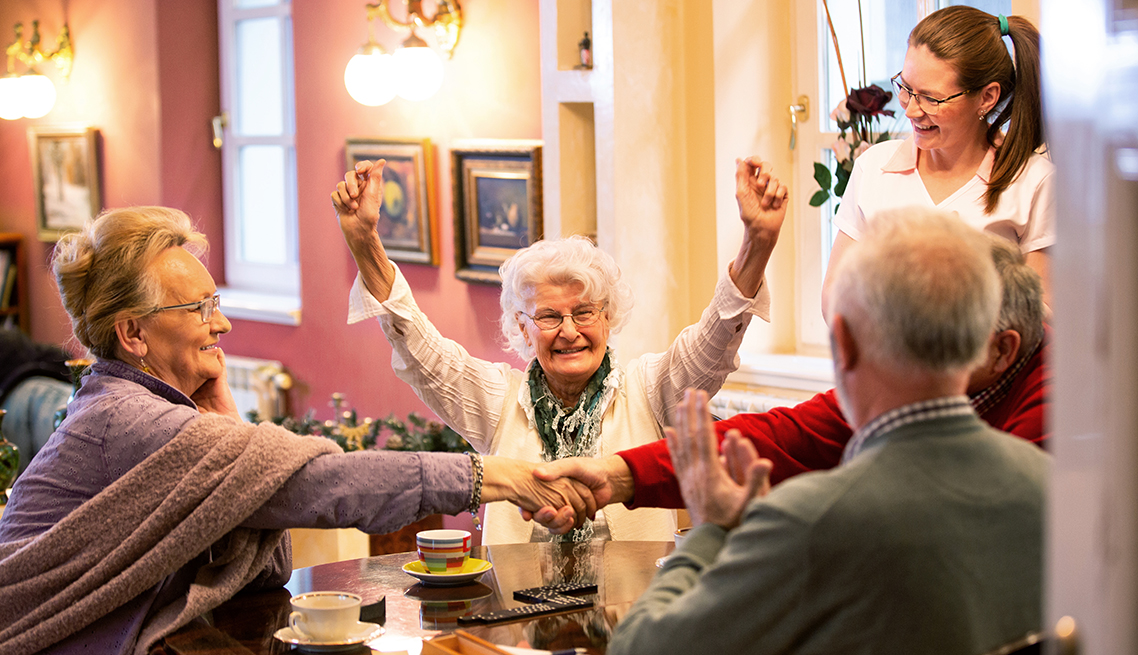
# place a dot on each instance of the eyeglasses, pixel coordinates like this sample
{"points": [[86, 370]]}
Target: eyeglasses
{"points": [[583, 317], [204, 307], [928, 104]]}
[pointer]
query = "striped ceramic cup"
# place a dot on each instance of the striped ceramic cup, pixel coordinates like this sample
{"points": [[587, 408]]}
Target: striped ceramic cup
{"points": [[443, 551]]}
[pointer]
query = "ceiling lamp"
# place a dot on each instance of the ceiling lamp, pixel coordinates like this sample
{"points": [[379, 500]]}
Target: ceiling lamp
{"points": [[415, 70], [370, 75], [30, 94]]}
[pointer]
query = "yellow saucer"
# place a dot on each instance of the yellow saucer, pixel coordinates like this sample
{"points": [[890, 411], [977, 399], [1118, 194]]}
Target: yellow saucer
{"points": [[470, 571]]}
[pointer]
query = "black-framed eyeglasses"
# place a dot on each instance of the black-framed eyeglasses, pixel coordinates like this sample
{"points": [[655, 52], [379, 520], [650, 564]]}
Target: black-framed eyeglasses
{"points": [[583, 317], [204, 307], [928, 104]]}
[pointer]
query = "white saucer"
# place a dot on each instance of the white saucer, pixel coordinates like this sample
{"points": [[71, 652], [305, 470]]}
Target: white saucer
{"points": [[363, 632], [471, 571]]}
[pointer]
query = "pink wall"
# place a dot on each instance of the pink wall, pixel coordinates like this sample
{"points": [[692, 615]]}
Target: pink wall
{"points": [[145, 75]]}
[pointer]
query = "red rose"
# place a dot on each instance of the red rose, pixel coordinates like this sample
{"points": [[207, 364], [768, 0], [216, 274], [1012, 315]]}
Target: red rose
{"points": [[870, 101]]}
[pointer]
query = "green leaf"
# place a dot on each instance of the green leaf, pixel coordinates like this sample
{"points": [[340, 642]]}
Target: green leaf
{"points": [[822, 176], [883, 137], [840, 187], [818, 198]]}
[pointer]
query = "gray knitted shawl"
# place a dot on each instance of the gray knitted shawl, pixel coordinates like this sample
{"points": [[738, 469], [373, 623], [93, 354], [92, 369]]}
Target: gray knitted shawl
{"points": [[190, 494]]}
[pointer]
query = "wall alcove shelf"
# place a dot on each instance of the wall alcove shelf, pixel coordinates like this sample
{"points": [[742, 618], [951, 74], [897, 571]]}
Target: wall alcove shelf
{"points": [[13, 286]]}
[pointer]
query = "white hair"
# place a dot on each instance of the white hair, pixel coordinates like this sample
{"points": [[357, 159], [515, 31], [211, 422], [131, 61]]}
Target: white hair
{"points": [[919, 291], [573, 260]]}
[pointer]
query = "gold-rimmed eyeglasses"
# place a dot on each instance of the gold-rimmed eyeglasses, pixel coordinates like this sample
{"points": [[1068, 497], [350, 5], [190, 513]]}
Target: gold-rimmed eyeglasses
{"points": [[582, 317], [204, 307], [928, 104]]}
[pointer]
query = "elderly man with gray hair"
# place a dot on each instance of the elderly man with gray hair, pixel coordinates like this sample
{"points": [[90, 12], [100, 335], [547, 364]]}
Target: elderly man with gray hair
{"points": [[928, 536]]}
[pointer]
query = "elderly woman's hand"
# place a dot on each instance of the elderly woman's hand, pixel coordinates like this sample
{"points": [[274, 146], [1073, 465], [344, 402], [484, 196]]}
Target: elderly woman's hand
{"points": [[214, 396], [513, 480], [762, 202], [357, 201]]}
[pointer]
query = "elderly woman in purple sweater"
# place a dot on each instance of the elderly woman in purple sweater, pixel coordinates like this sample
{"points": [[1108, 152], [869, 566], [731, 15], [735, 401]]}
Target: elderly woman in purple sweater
{"points": [[154, 502]]}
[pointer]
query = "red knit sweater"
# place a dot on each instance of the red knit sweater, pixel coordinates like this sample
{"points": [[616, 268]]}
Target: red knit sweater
{"points": [[811, 435]]}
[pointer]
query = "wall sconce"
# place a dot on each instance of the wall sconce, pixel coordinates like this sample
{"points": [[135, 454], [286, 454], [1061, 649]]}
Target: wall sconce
{"points": [[414, 71], [32, 95]]}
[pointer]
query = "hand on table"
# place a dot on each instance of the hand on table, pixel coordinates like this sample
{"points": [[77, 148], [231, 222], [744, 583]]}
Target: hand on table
{"points": [[715, 489]]}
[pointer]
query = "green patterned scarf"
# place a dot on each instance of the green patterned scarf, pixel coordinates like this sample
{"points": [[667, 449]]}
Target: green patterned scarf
{"points": [[574, 431]]}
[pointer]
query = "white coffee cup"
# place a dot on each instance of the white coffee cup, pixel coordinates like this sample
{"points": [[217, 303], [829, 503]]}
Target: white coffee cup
{"points": [[324, 616], [680, 535]]}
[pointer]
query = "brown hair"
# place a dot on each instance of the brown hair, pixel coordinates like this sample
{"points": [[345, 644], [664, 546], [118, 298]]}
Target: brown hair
{"points": [[969, 40], [102, 270]]}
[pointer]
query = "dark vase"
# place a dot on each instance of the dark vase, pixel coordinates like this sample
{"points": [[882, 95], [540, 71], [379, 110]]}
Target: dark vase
{"points": [[77, 367], [9, 461]]}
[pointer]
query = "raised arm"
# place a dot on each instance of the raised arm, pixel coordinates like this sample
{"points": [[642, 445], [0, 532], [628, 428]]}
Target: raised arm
{"points": [[357, 200], [762, 203]]}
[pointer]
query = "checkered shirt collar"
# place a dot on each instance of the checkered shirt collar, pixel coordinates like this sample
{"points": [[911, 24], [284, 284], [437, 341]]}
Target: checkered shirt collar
{"points": [[904, 415], [996, 392]]}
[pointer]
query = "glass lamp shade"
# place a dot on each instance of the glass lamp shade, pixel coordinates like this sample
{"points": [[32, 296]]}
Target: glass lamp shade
{"points": [[370, 77], [11, 98], [420, 72], [39, 95]]}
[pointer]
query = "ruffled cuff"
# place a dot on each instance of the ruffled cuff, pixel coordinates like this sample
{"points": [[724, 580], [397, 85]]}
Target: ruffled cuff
{"points": [[731, 302], [362, 305]]}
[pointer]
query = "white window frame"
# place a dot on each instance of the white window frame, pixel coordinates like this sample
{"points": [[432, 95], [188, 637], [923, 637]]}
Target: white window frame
{"points": [[256, 291]]}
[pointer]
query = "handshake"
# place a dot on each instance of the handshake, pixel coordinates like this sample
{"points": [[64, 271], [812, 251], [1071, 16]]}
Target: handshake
{"points": [[716, 486]]}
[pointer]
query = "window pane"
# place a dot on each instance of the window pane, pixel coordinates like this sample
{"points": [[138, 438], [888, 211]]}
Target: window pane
{"points": [[994, 7], [249, 4], [887, 24], [828, 210], [261, 201], [259, 80]]}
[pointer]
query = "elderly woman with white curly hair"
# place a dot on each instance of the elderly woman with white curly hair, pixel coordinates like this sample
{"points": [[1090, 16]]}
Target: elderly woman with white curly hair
{"points": [[561, 301]]}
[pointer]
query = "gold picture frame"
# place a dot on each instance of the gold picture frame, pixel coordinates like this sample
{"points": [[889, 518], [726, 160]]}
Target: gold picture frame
{"points": [[65, 165], [497, 204], [407, 226]]}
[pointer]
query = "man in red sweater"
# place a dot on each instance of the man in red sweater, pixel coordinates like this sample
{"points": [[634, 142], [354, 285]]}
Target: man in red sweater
{"points": [[1008, 391]]}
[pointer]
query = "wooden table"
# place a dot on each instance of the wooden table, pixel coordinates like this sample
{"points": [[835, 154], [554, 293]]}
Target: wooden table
{"points": [[620, 569]]}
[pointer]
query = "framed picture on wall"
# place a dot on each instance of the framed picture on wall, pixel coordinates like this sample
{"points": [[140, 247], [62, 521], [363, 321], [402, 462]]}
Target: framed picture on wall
{"points": [[407, 224], [65, 163], [497, 204]]}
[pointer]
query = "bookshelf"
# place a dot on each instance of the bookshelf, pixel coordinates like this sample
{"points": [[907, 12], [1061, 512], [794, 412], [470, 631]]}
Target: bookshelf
{"points": [[13, 286]]}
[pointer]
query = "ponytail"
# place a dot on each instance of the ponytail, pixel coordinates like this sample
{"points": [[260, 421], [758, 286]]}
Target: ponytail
{"points": [[1023, 115]]}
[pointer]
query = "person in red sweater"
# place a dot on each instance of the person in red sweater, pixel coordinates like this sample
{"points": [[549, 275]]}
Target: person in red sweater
{"points": [[1009, 391]]}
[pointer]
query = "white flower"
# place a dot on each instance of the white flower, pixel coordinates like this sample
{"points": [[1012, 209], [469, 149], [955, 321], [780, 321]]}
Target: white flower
{"points": [[841, 113], [841, 149]]}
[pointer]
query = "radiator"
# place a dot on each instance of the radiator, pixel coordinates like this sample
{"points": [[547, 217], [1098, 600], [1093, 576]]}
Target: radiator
{"points": [[729, 402], [258, 384]]}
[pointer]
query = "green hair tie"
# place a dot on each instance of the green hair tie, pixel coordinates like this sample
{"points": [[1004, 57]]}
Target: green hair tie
{"points": [[1003, 25]]}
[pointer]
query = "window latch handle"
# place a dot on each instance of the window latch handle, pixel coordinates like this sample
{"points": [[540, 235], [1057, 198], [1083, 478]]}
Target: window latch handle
{"points": [[798, 113], [219, 124]]}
